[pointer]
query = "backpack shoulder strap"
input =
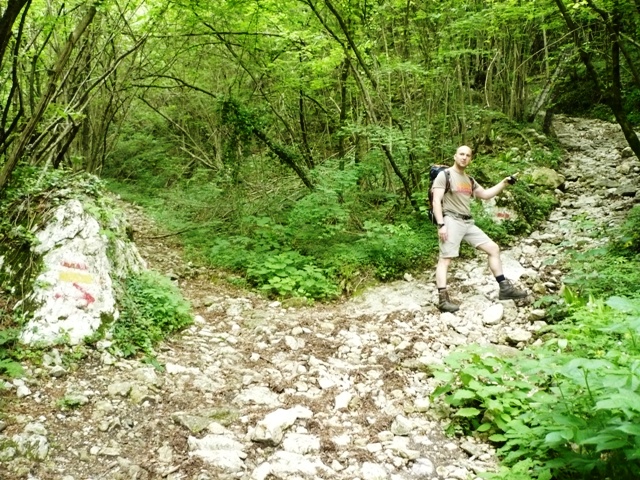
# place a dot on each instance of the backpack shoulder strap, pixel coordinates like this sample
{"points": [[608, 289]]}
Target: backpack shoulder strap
{"points": [[447, 175], [447, 187]]}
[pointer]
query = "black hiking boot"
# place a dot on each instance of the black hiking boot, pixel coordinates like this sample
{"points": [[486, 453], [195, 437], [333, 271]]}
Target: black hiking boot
{"points": [[445, 304], [509, 292]]}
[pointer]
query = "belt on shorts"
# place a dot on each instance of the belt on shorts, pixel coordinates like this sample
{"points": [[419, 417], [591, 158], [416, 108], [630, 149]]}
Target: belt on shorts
{"points": [[458, 215]]}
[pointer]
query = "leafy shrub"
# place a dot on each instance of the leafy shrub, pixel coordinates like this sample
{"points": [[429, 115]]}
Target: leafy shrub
{"points": [[8, 364], [533, 207], [145, 154], [270, 255], [599, 273], [269, 266], [567, 410], [291, 274], [547, 157], [627, 239], [152, 309], [395, 249], [318, 217], [231, 253]]}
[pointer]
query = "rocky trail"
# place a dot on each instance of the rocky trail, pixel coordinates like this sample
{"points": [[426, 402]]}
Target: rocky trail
{"points": [[255, 390]]}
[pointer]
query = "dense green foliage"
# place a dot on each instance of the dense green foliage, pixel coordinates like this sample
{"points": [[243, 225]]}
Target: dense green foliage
{"points": [[152, 309], [9, 364], [569, 408], [292, 150], [298, 143], [342, 235]]}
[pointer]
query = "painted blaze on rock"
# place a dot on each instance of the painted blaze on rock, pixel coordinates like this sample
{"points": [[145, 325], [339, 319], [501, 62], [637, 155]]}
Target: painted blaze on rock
{"points": [[74, 292]]}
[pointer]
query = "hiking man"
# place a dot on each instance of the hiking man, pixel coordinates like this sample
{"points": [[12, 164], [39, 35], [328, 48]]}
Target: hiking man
{"points": [[452, 211]]}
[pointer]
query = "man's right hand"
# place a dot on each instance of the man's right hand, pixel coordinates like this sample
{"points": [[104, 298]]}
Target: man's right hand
{"points": [[442, 233]]}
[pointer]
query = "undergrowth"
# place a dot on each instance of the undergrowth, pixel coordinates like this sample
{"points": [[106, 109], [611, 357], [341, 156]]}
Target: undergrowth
{"points": [[346, 233], [152, 308], [569, 409]]}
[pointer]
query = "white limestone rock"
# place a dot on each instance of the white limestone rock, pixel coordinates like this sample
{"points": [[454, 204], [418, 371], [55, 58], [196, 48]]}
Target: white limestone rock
{"points": [[257, 395], [219, 450], [342, 401], [32, 443], [519, 335], [301, 443], [493, 315], [289, 465], [374, 471], [74, 291], [270, 430], [401, 425]]}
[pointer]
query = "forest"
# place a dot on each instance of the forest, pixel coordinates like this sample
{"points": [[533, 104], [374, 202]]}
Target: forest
{"points": [[287, 144]]}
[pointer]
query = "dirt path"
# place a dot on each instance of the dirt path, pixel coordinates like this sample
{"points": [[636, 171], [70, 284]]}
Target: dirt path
{"points": [[256, 391]]}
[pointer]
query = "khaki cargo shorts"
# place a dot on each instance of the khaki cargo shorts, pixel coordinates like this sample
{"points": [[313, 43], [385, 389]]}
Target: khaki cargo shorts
{"points": [[457, 231]]}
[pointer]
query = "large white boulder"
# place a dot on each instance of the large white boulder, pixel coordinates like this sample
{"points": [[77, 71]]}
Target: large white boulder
{"points": [[73, 293]]}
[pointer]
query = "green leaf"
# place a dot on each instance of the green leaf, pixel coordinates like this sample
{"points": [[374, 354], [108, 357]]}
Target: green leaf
{"points": [[11, 368], [498, 437], [463, 394], [623, 400], [492, 390], [441, 390], [554, 438], [629, 428], [612, 444], [485, 427], [495, 405], [467, 412], [622, 304]]}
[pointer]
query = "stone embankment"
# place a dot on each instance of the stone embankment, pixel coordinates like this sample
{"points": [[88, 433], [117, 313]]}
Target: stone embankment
{"points": [[257, 391]]}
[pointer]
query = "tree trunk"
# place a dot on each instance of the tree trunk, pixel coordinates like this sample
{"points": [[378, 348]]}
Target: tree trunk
{"points": [[45, 100], [6, 23], [548, 88], [614, 99], [284, 156], [612, 95], [342, 151], [303, 132], [14, 91]]}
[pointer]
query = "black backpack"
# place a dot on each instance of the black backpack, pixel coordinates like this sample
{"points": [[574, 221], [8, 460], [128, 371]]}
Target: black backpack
{"points": [[433, 173]]}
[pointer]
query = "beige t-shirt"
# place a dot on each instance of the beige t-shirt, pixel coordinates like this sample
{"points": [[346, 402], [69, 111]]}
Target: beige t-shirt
{"points": [[458, 198]]}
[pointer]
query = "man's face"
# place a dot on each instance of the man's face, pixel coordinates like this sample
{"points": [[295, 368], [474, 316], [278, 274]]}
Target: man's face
{"points": [[463, 156]]}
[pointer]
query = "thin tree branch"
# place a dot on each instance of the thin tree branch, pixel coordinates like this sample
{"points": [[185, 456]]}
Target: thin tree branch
{"points": [[184, 132], [46, 98], [15, 86]]}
